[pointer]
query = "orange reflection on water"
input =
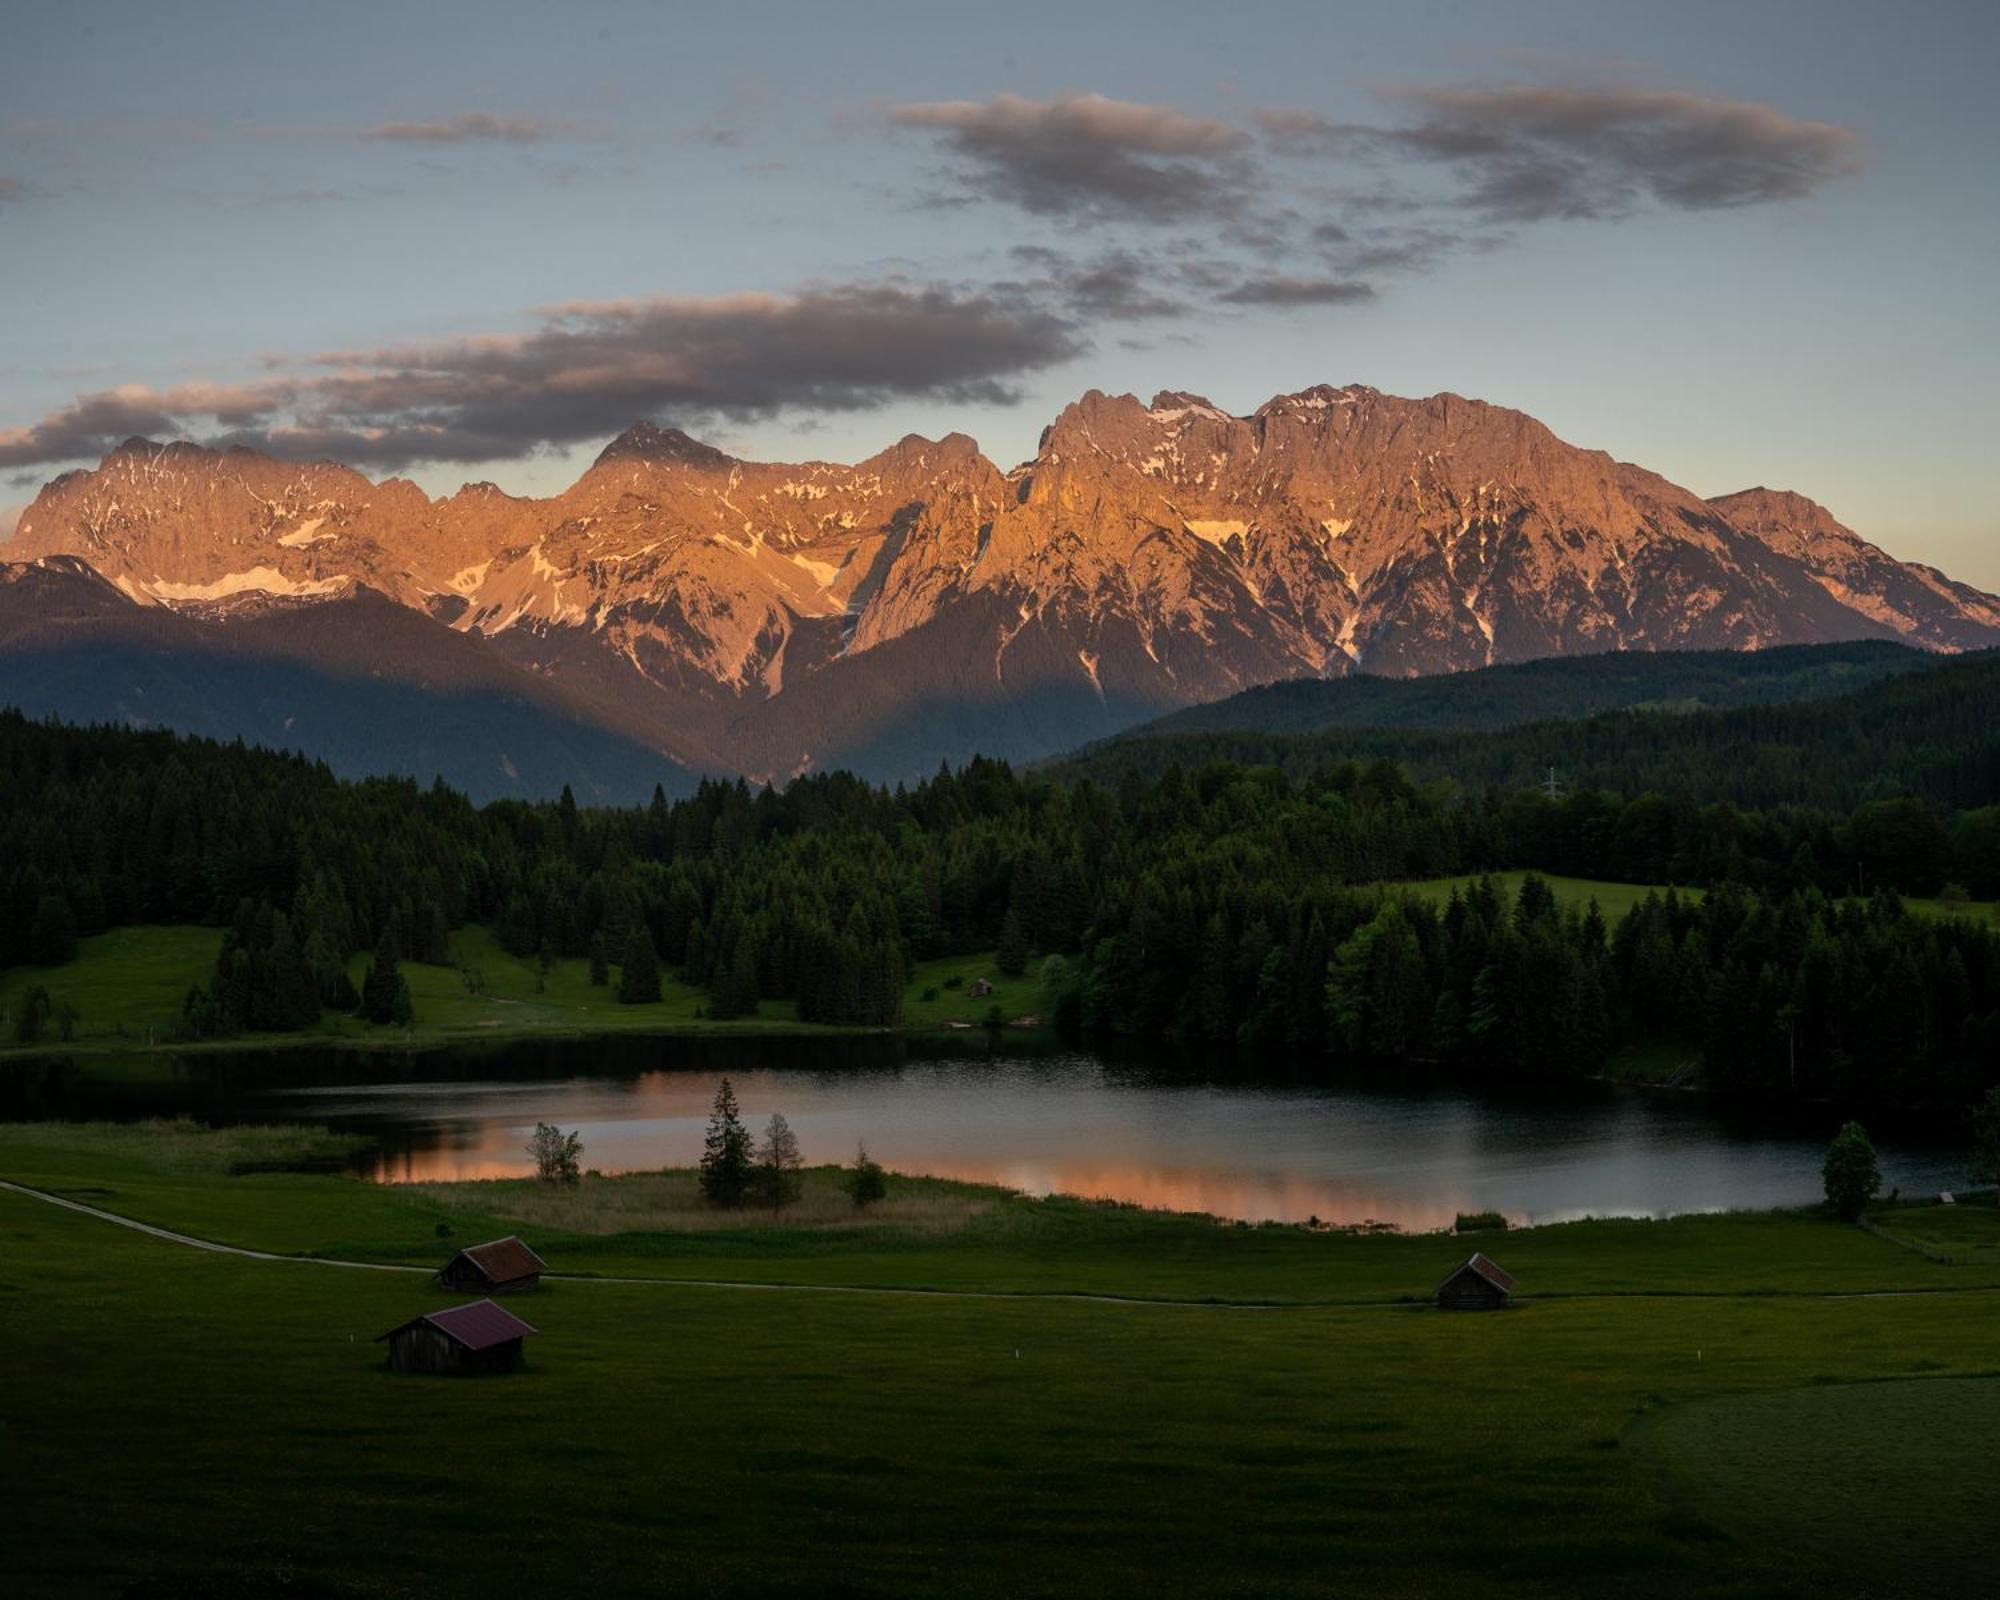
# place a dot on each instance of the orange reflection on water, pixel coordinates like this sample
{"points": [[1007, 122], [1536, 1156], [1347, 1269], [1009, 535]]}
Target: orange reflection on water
{"points": [[496, 1150]]}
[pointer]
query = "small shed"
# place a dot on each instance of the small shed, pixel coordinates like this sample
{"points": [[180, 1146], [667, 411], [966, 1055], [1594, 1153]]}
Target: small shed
{"points": [[980, 989], [476, 1338], [1476, 1285], [501, 1266]]}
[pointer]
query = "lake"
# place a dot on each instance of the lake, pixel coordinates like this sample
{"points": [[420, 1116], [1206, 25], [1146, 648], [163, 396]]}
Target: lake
{"points": [[1151, 1129]]}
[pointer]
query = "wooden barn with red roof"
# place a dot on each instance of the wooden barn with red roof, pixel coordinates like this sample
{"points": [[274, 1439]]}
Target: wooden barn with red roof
{"points": [[476, 1338], [501, 1266], [1476, 1285]]}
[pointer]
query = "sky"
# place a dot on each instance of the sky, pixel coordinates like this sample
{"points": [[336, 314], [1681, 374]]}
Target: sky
{"points": [[1738, 243]]}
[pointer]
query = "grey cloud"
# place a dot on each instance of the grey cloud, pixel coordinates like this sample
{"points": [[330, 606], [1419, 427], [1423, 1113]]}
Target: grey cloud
{"points": [[1118, 286], [1529, 154], [467, 126], [1284, 290], [1085, 156], [589, 370]]}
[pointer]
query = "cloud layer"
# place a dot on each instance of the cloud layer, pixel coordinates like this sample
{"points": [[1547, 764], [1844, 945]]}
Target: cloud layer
{"points": [[1317, 209], [586, 372], [1529, 154], [1157, 213], [466, 127], [1088, 156]]}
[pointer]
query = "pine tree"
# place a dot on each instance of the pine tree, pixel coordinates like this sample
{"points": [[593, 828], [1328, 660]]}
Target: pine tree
{"points": [[639, 974], [866, 1181], [385, 993], [1012, 956], [600, 960], [725, 1154]]}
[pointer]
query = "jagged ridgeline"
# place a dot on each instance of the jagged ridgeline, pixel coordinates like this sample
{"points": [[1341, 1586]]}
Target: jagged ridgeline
{"points": [[1222, 904], [717, 615]]}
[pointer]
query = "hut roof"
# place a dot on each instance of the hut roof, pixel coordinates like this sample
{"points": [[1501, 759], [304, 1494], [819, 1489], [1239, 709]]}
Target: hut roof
{"points": [[1503, 1281], [477, 1326], [504, 1260]]}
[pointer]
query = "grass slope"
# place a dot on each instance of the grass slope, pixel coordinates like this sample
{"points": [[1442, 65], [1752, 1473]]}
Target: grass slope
{"points": [[174, 1414]]}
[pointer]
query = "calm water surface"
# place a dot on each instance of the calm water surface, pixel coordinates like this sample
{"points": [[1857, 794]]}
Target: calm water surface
{"points": [[1158, 1133]]}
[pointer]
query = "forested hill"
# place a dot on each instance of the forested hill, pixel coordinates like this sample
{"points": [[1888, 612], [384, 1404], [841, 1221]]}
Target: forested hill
{"points": [[1932, 734], [1225, 905], [1556, 688]]}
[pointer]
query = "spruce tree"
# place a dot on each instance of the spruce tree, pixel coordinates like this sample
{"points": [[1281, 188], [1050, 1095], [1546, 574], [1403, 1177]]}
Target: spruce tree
{"points": [[385, 993], [1012, 956], [866, 1181], [725, 1153], [639, 975], [600, 961]]}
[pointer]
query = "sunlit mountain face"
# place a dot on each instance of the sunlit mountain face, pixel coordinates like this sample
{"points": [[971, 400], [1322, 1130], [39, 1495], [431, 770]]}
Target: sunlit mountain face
{"points": [[922, 605]]}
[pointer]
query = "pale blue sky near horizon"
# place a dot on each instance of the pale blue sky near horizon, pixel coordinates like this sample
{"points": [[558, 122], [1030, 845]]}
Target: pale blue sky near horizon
{"points": [[191, 195]]}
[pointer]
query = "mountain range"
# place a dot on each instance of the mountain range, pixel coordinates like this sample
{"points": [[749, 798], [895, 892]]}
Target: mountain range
{"points": [[680, 611]]}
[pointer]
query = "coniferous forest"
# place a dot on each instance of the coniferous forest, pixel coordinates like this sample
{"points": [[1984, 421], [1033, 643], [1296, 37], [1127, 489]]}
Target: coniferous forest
{"points": [[1226, 904]]}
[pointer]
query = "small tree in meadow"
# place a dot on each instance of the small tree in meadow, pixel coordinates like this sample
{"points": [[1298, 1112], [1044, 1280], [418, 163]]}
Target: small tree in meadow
{"points": [[725, 1154], [779, 1180], [866, 1181], [558, 1156], [1851, 1175]]}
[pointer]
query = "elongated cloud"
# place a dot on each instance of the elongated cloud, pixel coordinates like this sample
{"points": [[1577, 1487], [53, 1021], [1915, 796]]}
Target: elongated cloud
{"points": [[1528, 154], [468, 126], [1284, 290], [589, 370], [1087, 155]]}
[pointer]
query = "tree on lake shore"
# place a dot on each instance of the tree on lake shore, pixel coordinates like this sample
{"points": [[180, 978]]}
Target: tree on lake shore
{"points": [[726, 1154], [1852, 1178], [558, 1155], [777, 1178]]}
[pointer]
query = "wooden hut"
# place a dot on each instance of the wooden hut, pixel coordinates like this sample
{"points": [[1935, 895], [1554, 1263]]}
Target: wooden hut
{"points": [[980, 989], [476, 1338], [1477, 1285], [502, 1266]]}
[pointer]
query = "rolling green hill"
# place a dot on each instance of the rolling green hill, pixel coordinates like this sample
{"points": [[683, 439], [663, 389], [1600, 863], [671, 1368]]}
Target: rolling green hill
{"points": [[1559, 688]]}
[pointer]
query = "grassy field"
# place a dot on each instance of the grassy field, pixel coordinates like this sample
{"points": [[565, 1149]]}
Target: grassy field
{"points": [[175, 1414], [1859, 1477], [1613, 899], [1967, 1233], [128, 985]]}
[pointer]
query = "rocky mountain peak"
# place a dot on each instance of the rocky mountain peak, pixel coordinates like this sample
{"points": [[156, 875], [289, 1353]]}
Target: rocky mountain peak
{"points": [[1773, 511], [645, 442]]}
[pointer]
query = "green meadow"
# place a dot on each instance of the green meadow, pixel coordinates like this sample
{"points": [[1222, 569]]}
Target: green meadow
{"points": [[1269, 1411], [127, 987]]}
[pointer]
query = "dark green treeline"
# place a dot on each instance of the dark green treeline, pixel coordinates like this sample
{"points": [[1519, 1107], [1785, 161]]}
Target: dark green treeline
{"points": [[1229, 904]]}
